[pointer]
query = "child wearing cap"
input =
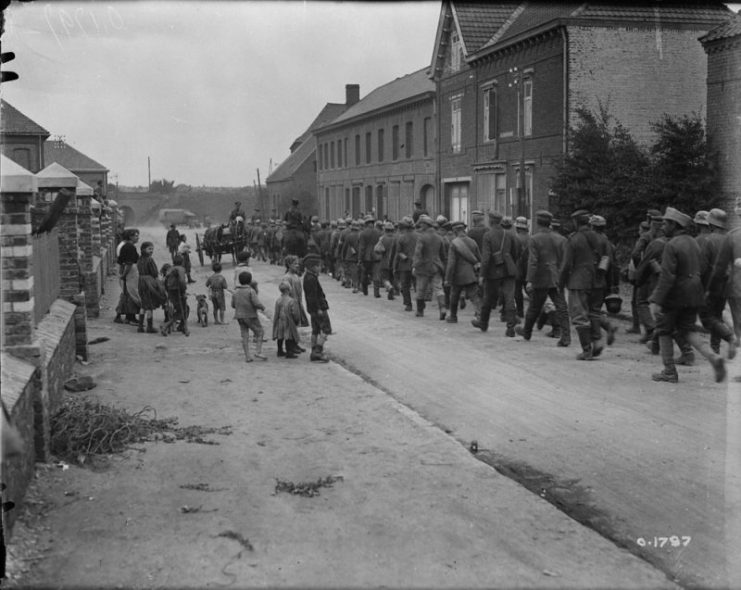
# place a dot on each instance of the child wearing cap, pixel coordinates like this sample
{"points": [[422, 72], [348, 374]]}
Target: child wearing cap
{"points": [[316, 305], [246, 305]]}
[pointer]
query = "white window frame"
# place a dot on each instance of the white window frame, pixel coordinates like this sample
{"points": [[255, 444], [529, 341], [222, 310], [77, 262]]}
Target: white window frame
{"points": [[456, 103], [488, 93], [527, 104], [455, 51]]}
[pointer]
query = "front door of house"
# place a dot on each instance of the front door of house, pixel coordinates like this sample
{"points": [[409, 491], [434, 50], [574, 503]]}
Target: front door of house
{"points": [[458, 201]]}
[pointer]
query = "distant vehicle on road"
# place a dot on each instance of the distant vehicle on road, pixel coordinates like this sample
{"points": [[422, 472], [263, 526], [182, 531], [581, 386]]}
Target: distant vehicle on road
{"points": [[178, 217]]}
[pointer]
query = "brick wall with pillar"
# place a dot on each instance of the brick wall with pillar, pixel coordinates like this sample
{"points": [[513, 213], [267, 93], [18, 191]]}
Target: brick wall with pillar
{"points": [[51, 180], [18, 188]]}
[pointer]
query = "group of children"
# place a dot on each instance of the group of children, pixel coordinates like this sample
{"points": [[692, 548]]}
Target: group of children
{"points": [[289, 312]]}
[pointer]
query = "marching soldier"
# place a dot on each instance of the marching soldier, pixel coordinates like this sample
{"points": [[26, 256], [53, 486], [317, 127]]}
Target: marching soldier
{"points": [[541, 280], [607, 278], [711, 314], [402, 258], [729, 263], [678, 296], [582, 253], [461, 270], [350, 255], [644, 313], [367, 256], [387, 243], [428, 266], [498, 271], [522, 233]]}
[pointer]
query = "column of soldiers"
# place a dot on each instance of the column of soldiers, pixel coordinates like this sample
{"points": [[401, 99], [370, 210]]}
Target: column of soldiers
{"points": [[565, 280]]}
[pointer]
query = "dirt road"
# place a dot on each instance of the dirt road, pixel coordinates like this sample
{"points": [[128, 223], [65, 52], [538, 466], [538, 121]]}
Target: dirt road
{"points": [[413, 506]]}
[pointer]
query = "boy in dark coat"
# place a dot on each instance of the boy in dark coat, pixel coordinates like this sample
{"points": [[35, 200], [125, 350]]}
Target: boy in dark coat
{"points": [[317, 308]]}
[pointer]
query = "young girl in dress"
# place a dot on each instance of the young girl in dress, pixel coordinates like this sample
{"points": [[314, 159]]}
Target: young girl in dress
{"points": [[285, 320], [293, 278], [151, 291]]}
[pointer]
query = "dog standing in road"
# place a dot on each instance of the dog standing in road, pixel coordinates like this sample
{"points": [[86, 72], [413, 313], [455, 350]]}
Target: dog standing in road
{"points": [[202, 310]]}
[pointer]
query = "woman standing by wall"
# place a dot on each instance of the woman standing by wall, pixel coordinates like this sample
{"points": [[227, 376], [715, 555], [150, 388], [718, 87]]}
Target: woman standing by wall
{"points": [[129, 303], [151, 291]]}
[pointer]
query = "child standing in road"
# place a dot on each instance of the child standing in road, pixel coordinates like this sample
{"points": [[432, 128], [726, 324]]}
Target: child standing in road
{"points": [[246, 305], [316, 305], [285, 320], [217, 285], [176, 286]]}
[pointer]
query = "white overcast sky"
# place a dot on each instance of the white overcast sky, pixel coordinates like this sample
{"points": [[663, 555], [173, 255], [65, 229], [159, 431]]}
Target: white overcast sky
{"points": [[210, 91]]}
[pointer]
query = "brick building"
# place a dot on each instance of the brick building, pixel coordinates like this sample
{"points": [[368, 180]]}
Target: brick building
{"points": [[296, 176], [723, 48], [21, 139], [511, 75], [379, 155]]}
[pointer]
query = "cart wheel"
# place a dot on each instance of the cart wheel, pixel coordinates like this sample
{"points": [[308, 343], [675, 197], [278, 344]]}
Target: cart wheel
{"points": [[199, 249]]}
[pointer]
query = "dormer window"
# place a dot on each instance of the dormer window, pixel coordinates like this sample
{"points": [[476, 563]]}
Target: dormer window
{"points": [[456, 50]]}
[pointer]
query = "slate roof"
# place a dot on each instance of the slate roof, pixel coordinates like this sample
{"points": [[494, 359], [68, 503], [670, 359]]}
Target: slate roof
{"points": [[730, 29], [477, 21], [293, 162], [12, 121], [399, 90], [529, 17], [70, 158], [331, 111]]}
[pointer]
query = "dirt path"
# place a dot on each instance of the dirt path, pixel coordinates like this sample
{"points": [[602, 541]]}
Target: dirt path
{"points": [[412, 508]]}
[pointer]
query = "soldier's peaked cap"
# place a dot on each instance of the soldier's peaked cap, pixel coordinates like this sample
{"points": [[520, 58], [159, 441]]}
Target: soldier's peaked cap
{"points": [[543, 214], [495, 215], [457, 224], [677, 216], [426, 219], [580, 213], [477, 213]]}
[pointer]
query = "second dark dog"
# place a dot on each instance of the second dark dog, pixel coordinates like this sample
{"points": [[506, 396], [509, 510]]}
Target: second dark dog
{"points": [[202, 310]]}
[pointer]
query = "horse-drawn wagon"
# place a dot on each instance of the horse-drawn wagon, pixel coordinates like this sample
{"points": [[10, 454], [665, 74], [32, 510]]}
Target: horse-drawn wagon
{"points": [[227, 238]]}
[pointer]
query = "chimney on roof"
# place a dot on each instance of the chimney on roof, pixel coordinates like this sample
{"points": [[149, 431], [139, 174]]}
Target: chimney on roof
{"points": [[352, 94]]}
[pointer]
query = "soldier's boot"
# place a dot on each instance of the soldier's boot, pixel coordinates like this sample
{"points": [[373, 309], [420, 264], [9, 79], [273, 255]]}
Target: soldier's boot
{"points": [[669, 374], [420, 308], [555, 326], [731, 339], [687, 355], [542, 320], [376, 291], [150, 326], [140, 329], [585, 339], [441, 307], [563, 321], [654, 344]]}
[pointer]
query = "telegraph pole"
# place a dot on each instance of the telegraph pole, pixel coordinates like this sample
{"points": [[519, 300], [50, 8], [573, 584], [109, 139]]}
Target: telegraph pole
{"points": [[149, 174]]}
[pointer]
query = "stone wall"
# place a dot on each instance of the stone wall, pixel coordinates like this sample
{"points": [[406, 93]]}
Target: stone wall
{"points": [[21, 385]]}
